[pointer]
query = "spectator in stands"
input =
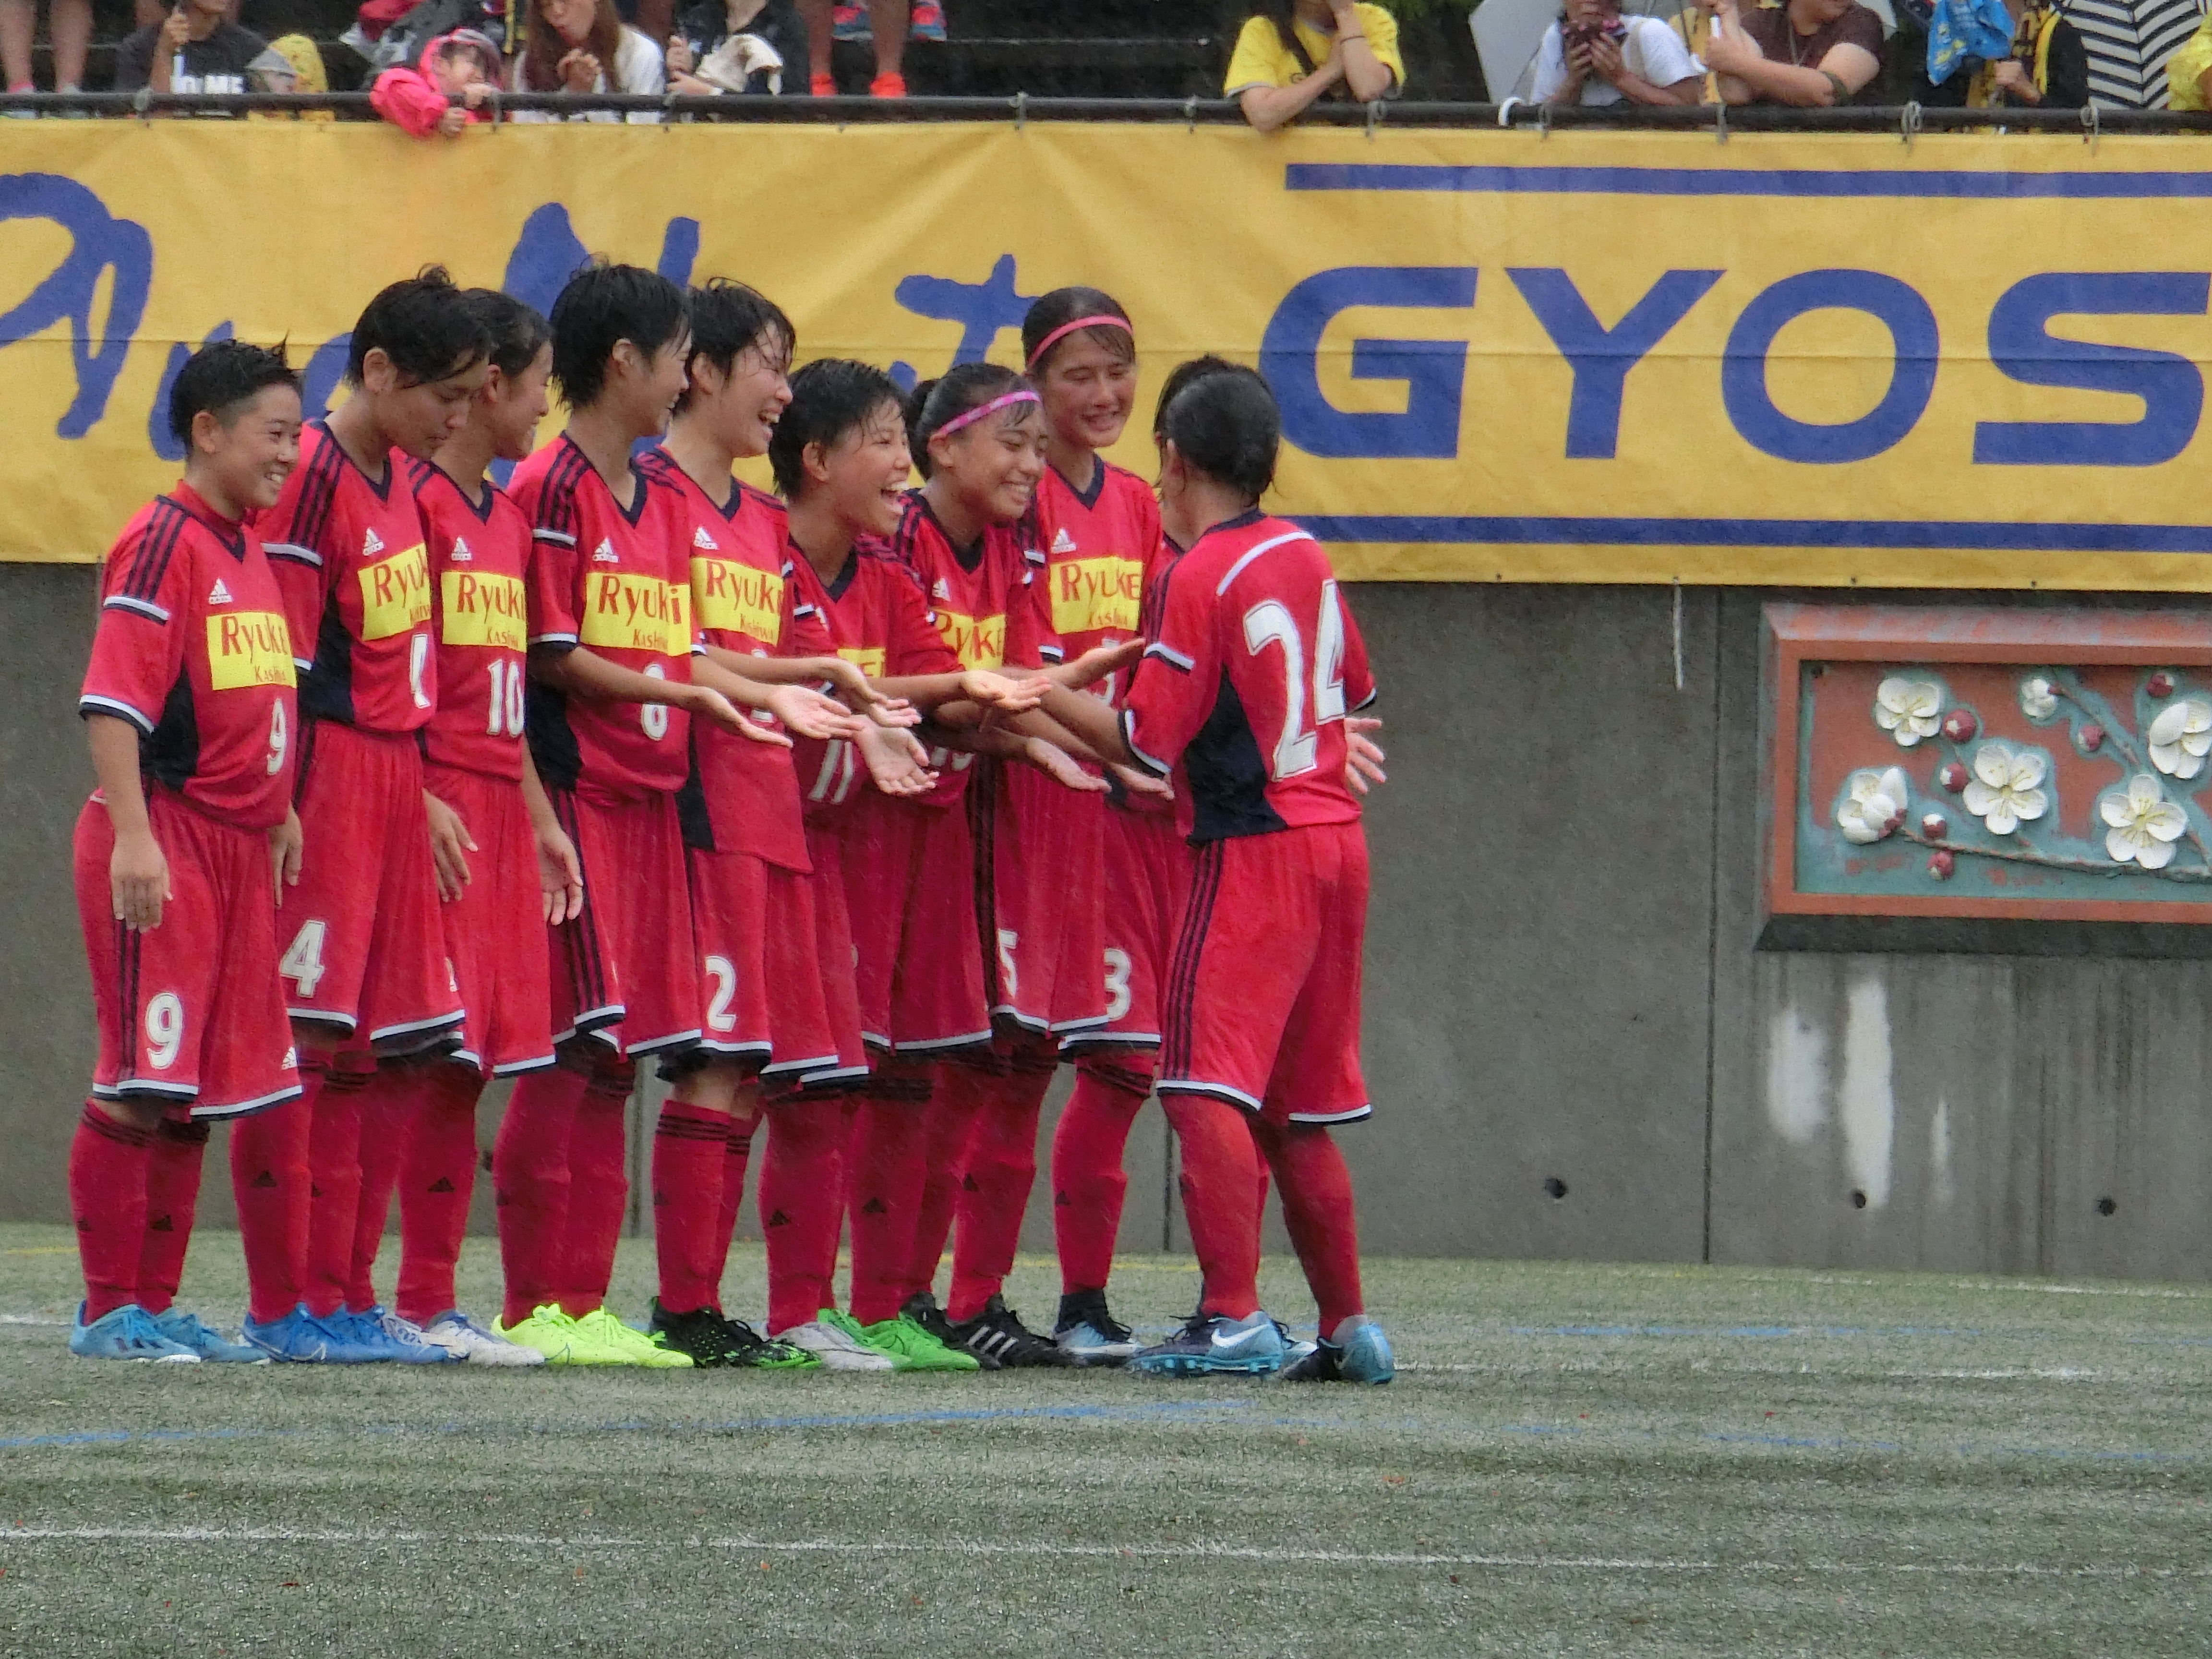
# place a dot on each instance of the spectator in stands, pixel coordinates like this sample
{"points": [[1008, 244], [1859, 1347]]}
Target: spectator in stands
{"points": [[2048, 68], [196, 48], [736, 46], [1292, 52], [584, 46], [460, 74], [887, 25], [2189, 71], [1593, 55], [1812, 53], [69, 21]]}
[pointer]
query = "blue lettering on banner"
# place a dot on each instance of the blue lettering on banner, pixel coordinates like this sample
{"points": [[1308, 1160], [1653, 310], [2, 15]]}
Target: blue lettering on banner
{"points": [[100, 243], [166, 443], [1601, 356], [981, 309], [1914, 347], [2020, 345], [549, 252], [1434, 372]]}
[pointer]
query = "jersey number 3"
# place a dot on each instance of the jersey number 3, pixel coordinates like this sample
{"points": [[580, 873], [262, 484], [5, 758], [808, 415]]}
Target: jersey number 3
{"points": [[1270, 623]]}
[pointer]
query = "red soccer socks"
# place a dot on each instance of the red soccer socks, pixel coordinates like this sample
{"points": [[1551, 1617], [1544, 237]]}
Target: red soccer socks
{"points": [[531, 1183], [1220, 1185], [1088, 1181], [268, 1175], [1317, 1208], [883, 1189], [107, 1166], [598, 1189], [436, 1182], [334, 1190], [995, 1189], [737, 1153], [690, 1146], [802, 1207], [172, 1196]]}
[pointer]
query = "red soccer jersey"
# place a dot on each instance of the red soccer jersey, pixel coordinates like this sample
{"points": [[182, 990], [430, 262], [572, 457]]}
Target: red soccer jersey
{"points": [[1165, 554], [1244, 692], [349, 555], [741, 796], [983, 602], [619, 583], [878, 618], [479, 560], [192, 649], [1098, 546]]}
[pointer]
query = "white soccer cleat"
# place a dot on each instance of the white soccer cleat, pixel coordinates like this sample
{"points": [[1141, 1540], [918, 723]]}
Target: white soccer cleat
{"points": [[465, 1340], [838, 1350]]}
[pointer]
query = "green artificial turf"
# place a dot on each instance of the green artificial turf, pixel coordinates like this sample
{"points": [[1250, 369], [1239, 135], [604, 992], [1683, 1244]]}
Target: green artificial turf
{"points": [[1574, 1458]]}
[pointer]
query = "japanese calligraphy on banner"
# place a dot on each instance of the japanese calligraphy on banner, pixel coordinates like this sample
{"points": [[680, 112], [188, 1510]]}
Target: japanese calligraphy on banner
{"points": [[1969, 361]]}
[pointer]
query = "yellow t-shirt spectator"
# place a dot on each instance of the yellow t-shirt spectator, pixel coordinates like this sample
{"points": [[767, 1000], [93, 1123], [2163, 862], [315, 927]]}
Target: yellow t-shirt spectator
{"points": [[1262, 60]]}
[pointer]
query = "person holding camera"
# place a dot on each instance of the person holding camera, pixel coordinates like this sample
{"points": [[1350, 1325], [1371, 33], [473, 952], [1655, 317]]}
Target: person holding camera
{"points": [[1594, 55]]}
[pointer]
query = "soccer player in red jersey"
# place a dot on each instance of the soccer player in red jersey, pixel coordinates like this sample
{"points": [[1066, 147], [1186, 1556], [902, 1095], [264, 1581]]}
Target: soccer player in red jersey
{"points": [[364, 962], [190, 710], [1243, 698], [505, 866], [753, 889], [615, 685]]}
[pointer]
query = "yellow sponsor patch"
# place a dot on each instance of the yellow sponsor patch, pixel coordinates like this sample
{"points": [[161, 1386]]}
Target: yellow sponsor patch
{"points": [[487, 609], [249, 647], [1097, 596], [978, 641], [395, 594], [868, 659], [637, 613], [738, 599]]}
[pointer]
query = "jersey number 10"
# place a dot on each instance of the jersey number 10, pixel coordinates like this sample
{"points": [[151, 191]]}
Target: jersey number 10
{"points": [[1270, 623]]}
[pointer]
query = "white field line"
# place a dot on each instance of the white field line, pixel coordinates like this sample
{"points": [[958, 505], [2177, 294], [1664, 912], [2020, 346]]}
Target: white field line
{"points": [[33, 1319], [1071, 1552]]}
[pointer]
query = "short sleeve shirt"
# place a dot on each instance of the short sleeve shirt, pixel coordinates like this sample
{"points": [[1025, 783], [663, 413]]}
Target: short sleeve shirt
{"points": [[349, 554], [192, 649], [1651, 49], [1097, 545], [479, 557], [1261, 60], [616, 580], [217, 63], [1769, 25], [1242, 696]]}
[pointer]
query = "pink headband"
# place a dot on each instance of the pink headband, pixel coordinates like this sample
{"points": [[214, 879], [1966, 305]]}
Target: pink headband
{"points": [[1067, 329], [1023, 396]]}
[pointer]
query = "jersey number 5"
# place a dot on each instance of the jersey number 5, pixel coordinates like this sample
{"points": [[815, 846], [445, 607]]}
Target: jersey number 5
{"points": [[1270, 623]]}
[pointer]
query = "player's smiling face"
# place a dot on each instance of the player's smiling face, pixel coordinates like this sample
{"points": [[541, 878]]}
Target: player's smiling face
{"points": [[866, 472], [994, 464], [1088, 393], [511, 408], [746, 405], [247, 461], [660, 381]]}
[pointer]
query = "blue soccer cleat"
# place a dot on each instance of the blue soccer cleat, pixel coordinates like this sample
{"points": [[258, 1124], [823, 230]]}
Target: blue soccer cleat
{"points": [[1211, 1344], [189, 1330], [126, 1333], [402, 1340], [1088, 1334], [300, 1339], [1357, 1352]]}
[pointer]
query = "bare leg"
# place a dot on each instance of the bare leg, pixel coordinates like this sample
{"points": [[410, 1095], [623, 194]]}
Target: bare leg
{"points": [[70, 22], [19, 18], [818, 14], [888, 19]]}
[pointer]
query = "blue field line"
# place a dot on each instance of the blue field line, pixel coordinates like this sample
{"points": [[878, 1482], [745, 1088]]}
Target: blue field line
{"points": [[1168, 1411], [1862, 184]]}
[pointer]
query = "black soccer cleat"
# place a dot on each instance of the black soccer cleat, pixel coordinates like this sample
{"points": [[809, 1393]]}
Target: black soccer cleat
{"points": [[711, 1340], [998, 1336], [1088, 1334]]}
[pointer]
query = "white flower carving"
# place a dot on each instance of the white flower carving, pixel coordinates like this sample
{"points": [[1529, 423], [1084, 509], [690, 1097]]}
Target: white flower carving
{"points": [[2181, 737], [2037, 699], [1908, 710], [2144, 823], [1873, 806], [2005, 787]]}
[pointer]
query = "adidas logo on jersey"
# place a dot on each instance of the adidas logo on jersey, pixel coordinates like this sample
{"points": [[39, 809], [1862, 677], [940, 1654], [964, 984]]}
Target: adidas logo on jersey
{"points": [[700, 539], [371, 544], [942, 591], [1063, 543], [461, 554], [604, 553], [218, 594]]}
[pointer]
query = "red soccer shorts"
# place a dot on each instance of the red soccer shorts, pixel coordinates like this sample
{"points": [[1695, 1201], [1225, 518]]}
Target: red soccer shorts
{"points": [[755, 927], [1263, 997], [625, 970], [910, 895], [189, 1013], [1147, 882], [495, 931], [365, 950], [1043, 854], [834, 958]]}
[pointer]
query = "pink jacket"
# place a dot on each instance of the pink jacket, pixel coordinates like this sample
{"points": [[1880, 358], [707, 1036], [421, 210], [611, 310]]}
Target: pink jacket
{"points": [[411, 99]]}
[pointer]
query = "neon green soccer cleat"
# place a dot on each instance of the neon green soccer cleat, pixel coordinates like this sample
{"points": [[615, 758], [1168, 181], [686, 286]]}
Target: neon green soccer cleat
{"points": [[629, 1346], [558, 1337], [912, 1348]]}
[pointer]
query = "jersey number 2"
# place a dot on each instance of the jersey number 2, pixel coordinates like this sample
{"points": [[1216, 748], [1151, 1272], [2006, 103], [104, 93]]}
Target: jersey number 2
{"points": [[1270, 623]]}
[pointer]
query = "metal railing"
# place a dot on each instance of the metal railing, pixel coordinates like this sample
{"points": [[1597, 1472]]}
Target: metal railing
{"points": [[1907, 121]]}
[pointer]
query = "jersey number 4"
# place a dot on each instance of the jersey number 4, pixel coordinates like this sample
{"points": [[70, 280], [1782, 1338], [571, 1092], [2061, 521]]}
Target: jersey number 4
{"points": [[1270, 623]]}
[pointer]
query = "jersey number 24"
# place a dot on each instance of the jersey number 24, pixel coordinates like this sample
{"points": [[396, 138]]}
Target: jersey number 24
{"points": [[1270, 623]]}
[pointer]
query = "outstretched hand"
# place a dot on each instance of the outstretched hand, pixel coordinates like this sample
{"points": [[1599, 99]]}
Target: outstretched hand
{"points": [[1363, 756]]}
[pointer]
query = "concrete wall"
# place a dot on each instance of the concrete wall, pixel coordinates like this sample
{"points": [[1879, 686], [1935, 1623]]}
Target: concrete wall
{"points": [[1574, 1048]]}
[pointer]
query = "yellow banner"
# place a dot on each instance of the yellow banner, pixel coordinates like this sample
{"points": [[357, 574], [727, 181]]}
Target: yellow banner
{"points": [[1971, 361]]}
